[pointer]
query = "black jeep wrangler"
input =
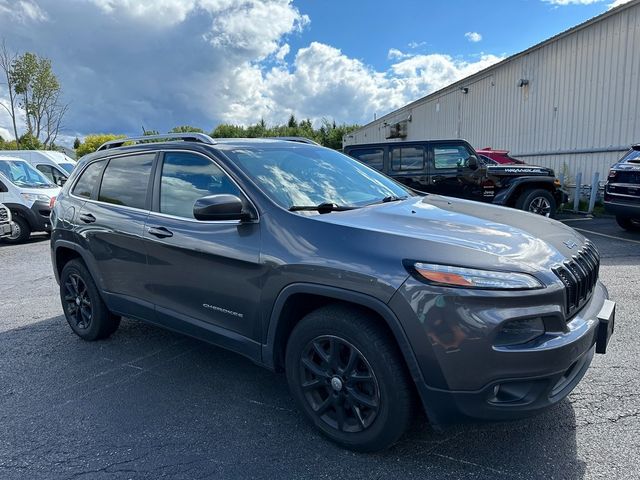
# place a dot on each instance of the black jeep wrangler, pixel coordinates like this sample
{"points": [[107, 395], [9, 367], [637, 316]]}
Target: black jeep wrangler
{"points": [[453, 168]]}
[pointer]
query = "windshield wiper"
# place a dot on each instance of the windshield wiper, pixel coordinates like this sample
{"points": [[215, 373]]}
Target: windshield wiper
{"points": [[321, 208], [390, 198]]}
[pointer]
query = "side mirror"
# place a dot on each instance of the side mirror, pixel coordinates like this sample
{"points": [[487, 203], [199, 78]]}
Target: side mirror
{"points": [[3, 188], [219, 207], [61, 181], [472, 162]]}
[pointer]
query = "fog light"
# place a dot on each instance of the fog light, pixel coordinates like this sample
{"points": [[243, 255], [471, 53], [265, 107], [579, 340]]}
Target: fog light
{"points": [[516, 332]]}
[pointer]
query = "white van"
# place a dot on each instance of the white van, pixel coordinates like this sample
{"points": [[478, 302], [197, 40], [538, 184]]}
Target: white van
{"points": [[27, 193], [56, 166]]}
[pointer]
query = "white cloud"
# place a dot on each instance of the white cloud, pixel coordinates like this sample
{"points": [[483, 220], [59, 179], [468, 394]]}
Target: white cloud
{"points": [[617, 3], [571, 2], [22, 11], [473, 37], [162, 63], [415, 44], [394, 54]]}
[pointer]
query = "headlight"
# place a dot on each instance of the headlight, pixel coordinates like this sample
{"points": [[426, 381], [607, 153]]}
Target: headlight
{"points": [[32, 197], [472, 278]]}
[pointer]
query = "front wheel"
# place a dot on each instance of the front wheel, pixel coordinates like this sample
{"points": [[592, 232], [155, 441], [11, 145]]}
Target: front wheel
{"points": [[349, 378], [21, 231], [538, 201]]}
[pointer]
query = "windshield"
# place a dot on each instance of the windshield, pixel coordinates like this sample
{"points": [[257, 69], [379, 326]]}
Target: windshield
{"points": [[633, 155], [67, 166], [21, 174], [307, 176]]}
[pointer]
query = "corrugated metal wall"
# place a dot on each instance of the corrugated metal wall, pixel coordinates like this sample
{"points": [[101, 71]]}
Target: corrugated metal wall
{"points": [[583, 95]]}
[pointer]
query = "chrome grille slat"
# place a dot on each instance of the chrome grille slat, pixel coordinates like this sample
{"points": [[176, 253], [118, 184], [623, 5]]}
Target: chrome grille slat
{"points": [[579, 274]]}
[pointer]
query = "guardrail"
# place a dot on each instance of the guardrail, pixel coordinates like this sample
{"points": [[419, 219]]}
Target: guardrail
{"points": [[592, 191]]}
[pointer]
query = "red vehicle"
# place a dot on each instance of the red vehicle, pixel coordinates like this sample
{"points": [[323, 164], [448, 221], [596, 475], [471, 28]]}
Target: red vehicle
{"points": [[500, 156]]}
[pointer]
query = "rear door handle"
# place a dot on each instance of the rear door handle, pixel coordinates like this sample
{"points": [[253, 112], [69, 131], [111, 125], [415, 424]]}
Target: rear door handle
{"points": [[87, 218], [438, 178], [160, 232]]}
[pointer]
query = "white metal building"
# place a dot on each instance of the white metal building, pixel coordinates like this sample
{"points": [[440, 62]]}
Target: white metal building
{"points": [[571, 102]]}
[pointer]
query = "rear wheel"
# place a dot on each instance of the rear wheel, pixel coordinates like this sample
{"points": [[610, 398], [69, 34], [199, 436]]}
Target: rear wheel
{"points": [[83, 307], [349, 378], [628, 223], [538, 201], [21, 231]]}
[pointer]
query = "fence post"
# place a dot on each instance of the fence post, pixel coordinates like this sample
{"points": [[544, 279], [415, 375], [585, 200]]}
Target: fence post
{"points": [[594, 191], [578, 190]]}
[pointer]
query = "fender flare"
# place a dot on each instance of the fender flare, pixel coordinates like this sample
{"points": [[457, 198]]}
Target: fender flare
{"points": [[372, 303], [505, 195], [81, 252], [23, 212]]}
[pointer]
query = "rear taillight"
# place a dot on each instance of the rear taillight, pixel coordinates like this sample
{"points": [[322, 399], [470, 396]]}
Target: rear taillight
{"points": [[52, 202]]}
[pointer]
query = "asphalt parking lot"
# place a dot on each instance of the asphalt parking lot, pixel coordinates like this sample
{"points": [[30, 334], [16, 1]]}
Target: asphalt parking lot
{"points": [[148, 403]]}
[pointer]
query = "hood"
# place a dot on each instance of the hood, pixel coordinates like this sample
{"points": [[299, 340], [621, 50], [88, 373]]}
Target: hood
{"points": [[507, 170], [465, 233]]}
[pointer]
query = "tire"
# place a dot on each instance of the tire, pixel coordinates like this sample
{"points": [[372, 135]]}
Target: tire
{"points": [[21, 233], [628, 223], [374, 392], [84, 309], [538, 201]]}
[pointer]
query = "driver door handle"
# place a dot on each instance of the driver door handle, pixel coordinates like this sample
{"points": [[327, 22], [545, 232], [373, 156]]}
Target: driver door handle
{"points": [[87, 218], [160, 232]]}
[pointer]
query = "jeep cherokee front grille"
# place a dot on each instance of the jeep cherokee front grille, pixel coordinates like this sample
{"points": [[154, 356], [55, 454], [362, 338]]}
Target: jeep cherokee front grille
{"points": [[579, 275]]}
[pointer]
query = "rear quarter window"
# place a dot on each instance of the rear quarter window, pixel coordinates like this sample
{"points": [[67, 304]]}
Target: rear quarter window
{"points": [[88, 180]]}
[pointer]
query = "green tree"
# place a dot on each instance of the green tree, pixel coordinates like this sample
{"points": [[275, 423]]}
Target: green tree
{"points": [[29, 141], [7, 60], [92, 142], [292, 123], [39, 95], [186, 129], [76, 143]]}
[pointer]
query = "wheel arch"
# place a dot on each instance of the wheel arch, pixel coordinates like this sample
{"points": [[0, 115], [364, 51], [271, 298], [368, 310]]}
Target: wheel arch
{"points": [[518, 186], [296, 300], [63, 252]]}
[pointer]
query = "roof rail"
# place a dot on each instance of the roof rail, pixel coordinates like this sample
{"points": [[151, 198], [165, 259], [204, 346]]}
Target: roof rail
{"points": [[185, 137], [296, 139]]}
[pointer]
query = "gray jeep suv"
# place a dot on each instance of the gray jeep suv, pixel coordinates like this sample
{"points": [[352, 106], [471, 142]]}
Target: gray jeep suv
{"points": [[372, 298]]}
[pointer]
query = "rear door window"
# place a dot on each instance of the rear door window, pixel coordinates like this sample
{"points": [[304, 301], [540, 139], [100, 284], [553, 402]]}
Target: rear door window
{"points": [[88, 180], [407, 158], [373, 157], [126, 180], [450, 156]]}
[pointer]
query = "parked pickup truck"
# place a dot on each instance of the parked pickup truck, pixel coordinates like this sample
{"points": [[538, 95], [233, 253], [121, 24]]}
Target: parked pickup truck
{"points": [[5, 222], [453, 168]]}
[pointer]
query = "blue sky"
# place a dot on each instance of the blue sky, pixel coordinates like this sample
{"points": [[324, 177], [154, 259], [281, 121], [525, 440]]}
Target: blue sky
{"points": [[367, 29], [162, 63]]}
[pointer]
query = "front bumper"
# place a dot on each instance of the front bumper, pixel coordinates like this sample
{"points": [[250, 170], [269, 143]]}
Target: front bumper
{"points": [[467, 377], [619, 207], [5, 230], [39, 217]]}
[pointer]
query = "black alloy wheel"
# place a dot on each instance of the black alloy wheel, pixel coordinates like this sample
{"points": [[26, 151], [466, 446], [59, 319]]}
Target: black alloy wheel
{"points": [[78, 302], [339, 384]]}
